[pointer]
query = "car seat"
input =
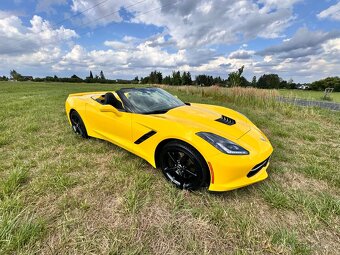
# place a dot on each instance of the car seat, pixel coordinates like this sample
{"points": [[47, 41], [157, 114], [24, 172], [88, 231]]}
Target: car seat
{"points": [[112, 100]]}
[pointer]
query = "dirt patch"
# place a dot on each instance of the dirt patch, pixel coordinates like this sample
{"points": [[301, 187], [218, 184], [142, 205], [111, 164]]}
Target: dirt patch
{"points": [[298, 181]]}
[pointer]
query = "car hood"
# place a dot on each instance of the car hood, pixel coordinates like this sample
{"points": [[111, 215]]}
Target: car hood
{"points": [[203, 119]]}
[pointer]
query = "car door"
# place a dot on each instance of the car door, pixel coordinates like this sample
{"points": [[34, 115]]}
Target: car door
{"points": [[110, 126]]}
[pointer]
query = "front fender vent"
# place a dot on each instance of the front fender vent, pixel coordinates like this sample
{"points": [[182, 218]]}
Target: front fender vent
{"points": [[145, 137], [226, 120]]}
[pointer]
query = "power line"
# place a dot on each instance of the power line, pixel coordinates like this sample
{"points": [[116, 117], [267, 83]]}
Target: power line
{"points": [[77, 14], [116, 11], [140, 14], [107, 15], [100, 3]]}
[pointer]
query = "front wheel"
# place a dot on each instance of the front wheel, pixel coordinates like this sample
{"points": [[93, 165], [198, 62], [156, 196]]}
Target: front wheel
{"points": [[183, 166], [78, 125]]}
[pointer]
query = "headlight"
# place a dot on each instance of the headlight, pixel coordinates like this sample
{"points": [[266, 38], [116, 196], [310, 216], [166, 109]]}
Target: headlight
{"points": [[223, 144]]}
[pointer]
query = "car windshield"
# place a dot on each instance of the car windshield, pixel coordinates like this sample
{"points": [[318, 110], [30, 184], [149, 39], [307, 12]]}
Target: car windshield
{"points": [[150, 100]]}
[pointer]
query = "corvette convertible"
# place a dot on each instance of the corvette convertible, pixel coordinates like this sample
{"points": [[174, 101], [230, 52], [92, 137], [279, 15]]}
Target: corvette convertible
{"points": [[194, 145]]}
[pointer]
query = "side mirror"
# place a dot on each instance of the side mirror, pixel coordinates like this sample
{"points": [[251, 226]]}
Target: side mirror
{"points": [[109, 108]]}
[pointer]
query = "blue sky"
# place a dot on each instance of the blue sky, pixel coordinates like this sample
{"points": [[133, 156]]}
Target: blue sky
{"points": [[297, 39]]}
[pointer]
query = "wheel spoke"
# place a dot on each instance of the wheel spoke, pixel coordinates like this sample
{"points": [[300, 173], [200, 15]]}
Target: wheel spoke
{"points": [[170, 169], [190, 172], [184, 159], [171, 157]]}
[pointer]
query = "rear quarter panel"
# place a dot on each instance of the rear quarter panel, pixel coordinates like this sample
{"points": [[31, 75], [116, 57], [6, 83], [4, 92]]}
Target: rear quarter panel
{"points": [[78, 103]]}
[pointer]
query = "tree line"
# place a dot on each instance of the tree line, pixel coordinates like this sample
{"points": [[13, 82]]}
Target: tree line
{"points": [[266, 81], [177, 78]]}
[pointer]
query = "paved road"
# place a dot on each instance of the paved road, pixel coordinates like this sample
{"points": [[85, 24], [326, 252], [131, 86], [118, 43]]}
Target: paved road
{"points": [[305, 102]]}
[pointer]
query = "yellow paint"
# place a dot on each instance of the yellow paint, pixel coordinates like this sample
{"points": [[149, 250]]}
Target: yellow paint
{"points": [[182, 123]]}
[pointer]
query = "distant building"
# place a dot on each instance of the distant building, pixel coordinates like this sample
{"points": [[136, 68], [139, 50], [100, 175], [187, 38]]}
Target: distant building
{"points": [[302, 86]]}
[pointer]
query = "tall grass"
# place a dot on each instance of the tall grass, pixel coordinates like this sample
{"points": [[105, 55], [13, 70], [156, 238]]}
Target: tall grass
{"points": [[240, 95]]}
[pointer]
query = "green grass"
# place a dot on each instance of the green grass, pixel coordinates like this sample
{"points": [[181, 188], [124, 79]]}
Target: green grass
{"points": [[308, 94], [63, 194]]}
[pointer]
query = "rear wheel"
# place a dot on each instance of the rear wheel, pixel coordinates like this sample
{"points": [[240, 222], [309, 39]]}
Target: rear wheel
{"points": [[183, 166], [78, 125]]}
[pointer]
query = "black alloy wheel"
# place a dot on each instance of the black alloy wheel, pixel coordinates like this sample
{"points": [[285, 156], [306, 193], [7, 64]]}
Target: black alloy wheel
{"points": [[184, 166], [78, 124]]}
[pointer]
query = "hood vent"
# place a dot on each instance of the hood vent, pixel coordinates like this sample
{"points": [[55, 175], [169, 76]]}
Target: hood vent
{"points": [[226, 120]]}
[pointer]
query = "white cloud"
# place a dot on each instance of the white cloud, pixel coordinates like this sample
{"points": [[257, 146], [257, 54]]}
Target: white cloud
{"points": [[197, 23], [102, 14], [302, 44], [46, 5], [15, 38], [269, 5], [38, 45], [193, 23], [118, 45], [333, 12], [307, 56], [241, 54]]}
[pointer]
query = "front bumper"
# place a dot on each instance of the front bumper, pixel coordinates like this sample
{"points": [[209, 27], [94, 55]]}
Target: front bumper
{"points": [[239, 182], [235, 171]]}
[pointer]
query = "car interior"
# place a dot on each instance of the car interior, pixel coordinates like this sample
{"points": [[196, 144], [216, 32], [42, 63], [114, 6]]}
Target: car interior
{"points": [[110, 99]]}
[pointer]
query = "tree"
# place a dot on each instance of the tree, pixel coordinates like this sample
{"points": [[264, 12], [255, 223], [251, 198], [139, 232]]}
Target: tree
{"points": [[167, 80], [155, 77], [176, 78], [269, 81], [204, 80], [75, 78], [3, 78], [89, 79], [186, 78], [102, 77], [254, 81], [144, 80], [330, 82], [234, 78], [218, 81], [244, 82], [49, 79], [15, 75]]}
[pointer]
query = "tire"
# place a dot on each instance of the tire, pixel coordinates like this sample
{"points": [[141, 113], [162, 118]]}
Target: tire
{"points": [[78, 125], [184, 166]]}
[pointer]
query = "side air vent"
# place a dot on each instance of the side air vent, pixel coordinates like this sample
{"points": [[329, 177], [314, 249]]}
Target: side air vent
{"points": [[226, 120], [145, 137]]}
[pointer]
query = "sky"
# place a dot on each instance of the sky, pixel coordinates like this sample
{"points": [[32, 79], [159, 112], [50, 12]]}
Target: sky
{"points": [[296, 39]]}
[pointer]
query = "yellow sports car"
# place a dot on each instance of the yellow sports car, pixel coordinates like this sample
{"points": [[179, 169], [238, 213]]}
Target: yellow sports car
{"points": [[195, 145]]}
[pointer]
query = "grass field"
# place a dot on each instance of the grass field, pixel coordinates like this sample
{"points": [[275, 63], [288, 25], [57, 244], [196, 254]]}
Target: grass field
{"points": [[60, 194], [308, 94]]}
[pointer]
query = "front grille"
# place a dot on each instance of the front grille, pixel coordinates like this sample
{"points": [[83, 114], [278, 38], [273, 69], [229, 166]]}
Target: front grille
{"points": [[226, 120], [258, 168]]}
